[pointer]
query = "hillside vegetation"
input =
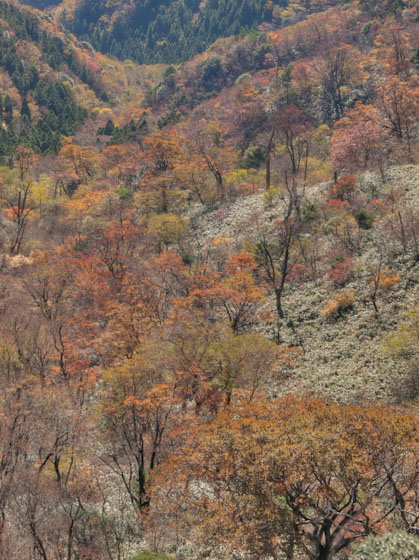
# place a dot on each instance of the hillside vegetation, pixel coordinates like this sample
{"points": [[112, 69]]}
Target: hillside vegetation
{"points": [[173, 31], [209, 275]]}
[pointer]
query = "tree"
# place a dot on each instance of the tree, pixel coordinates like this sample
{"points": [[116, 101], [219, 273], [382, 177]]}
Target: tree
{"points": [[291, 125], [268, 478], [394, 42], [403, 347], [159, 191], [137, 408], [233, 291], [25, 111], [120, 161], [358, 141], [83, 160], [194, 175], [383, 280], [253, 157], [15, 432], [218, 492], [399, 107], [162, 151], [244, 362], [115, 246], [274, 251], [21, 206], [338, 67], [212, 73], [167, 229], [217, 157]]}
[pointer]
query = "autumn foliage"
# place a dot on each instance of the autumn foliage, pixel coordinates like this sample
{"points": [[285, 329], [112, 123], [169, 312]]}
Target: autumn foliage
{"points": [[296, 474], [184, 252]]}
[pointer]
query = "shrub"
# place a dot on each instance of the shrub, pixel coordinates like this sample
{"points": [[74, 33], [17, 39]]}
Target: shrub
{"points": [[391, 546], [171, 116], [168, 229], [364, 219], [404, 346], [211, 72], [341, 272], [340, 303], [298, 274], [259, 54], [406, 387], [253, 157], [344, 188], [270, 196], [366, 27], [385, 279], [310, 211]]}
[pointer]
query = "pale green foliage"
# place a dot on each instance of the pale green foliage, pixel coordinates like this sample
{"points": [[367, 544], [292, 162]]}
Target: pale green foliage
{"points": [[244, 360], [168, 228], [405, 342], [391, 546], [270, 196], [403, 347]]}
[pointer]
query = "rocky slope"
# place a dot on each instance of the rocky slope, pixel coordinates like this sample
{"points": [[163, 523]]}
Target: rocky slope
{"points": [[343, 357]]}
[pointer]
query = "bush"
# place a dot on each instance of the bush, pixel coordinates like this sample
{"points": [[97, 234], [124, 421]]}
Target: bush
{"points": [[366, 27], [339, 304], [310, 211], [259, 54], [391, 546], [386, 279], [171, 116], [364, 220], [254, 156], [406, 386], [270, 196], [168, 229], [341, 272], [344, 188], [404, 347]]}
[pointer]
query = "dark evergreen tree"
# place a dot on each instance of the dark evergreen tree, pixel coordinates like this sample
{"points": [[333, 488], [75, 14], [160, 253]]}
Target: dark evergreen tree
{"points": [[25, 111]]}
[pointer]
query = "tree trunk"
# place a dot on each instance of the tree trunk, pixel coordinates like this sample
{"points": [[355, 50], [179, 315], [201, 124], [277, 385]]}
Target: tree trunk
{"points": [[278, 297], [268, 160], [323, 553]]}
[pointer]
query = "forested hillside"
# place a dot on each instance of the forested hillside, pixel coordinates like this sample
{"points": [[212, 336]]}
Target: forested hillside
{"points": [[173, 31], [36, 104], [209, 281]]}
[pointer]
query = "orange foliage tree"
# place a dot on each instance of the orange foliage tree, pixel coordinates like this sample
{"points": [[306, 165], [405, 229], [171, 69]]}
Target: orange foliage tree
{"points": [[291, 475]]}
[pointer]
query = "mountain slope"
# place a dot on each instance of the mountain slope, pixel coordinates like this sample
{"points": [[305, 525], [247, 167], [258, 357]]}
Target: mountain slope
{"points": [[39, 67], [51, 84], [172, 31], [209, 276]]}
